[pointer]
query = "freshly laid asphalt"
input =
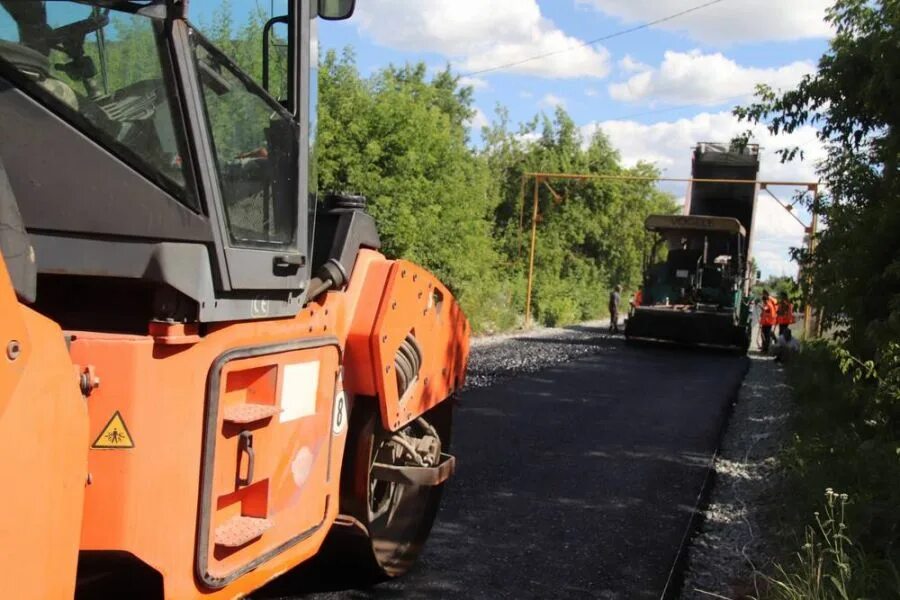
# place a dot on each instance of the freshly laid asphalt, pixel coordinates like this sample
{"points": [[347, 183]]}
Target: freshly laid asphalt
{"points": [[577, 481]]}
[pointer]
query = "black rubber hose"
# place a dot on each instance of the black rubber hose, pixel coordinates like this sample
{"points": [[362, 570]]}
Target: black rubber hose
{"points": [[407, 362]]}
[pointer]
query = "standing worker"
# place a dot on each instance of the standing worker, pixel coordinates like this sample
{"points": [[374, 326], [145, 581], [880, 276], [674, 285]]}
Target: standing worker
{"points": [[636, 300], [615, 297], [785, 316], [767, 319]]}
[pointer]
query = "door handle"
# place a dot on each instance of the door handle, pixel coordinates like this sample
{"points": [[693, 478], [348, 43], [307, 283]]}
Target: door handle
{"points": [[245, 446], [288, 264]]}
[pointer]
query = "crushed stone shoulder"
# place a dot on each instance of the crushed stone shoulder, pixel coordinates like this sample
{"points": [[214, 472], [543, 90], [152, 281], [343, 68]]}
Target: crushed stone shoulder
{"points": [[731, 545]]}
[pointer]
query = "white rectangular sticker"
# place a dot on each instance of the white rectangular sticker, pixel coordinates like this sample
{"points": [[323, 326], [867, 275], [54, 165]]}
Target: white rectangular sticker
{"points": [[682, 273], [299, 389]]}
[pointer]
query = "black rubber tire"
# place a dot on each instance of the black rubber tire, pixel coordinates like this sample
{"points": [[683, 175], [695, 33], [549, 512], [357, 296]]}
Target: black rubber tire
{"points": [[396, 538], [745, 341]]}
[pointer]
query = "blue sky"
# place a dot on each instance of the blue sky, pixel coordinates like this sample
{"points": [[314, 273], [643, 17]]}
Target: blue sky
{"points": [[655, 92]]}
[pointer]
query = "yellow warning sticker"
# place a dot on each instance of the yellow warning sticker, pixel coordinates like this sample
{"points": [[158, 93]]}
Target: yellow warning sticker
{"points": [[114, 435]]}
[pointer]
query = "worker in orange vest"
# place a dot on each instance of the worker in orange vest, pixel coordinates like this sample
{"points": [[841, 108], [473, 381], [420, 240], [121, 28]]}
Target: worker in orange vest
{"points": [[785, 315], [637, 299], [768, 317]]}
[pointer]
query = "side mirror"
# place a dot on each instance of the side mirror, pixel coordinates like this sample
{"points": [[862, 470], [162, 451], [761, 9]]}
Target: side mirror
{"points": [[336, 10]]}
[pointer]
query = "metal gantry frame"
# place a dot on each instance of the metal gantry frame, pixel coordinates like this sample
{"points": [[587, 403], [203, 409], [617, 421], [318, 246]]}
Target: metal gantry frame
{"points": [[759, 185]]}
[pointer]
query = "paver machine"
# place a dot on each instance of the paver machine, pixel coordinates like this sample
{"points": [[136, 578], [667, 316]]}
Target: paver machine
{"points": [[195, 388], [698, 293]]}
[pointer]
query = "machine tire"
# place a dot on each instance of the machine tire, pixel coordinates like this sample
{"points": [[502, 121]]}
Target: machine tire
{"points": [[391, 538], [746, 340]]}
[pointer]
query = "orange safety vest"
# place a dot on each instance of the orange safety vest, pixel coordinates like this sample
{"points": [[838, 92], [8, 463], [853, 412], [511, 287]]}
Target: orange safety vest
{"points": [[769, 312], [638, 298], [785, 313]]}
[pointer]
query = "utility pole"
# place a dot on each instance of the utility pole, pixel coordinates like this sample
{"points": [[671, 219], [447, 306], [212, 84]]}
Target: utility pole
{"points": [[534, 214]]}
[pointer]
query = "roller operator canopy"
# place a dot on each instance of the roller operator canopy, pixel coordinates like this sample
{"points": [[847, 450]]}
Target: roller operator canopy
{"points": [[669, 224]]}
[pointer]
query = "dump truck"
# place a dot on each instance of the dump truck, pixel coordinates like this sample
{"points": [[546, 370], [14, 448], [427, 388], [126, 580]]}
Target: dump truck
{"points": [[696, 284], [207, 372]]}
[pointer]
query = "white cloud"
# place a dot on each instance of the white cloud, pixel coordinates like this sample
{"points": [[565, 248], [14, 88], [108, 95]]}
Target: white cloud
{"points": [[526, 94], [591, 93], [709, 79], [478, 35], [552, 101], [668, 144], [727, 22], [478, 120], [528, 138], [477, 83], [630, 65]]}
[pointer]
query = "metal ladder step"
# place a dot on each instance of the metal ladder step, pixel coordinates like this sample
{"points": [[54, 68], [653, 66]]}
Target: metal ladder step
{"points": [[237, 531], [250, 413]]}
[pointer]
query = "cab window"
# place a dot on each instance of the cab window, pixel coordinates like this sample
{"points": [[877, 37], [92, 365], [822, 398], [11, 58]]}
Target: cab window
{"points": [[255, 143], [105, 72], [237, 29]]}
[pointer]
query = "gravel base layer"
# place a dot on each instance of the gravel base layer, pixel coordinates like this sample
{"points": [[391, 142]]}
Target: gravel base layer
{"points": [[730, 545], [498, 357]]}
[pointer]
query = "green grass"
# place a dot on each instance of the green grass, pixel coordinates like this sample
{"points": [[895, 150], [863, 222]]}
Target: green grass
{"points": [[845, 438]]}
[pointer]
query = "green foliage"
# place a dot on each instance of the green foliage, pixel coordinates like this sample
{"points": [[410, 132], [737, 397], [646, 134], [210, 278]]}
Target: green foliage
{"points": [[776, 285], [848, 392], [590, 234], [853, 100], [401, 139], [846, 436], [828, 566]]}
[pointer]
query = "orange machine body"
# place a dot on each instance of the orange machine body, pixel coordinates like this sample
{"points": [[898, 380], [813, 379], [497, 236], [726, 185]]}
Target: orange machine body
{"points": [[43, 440], [216, 459]]}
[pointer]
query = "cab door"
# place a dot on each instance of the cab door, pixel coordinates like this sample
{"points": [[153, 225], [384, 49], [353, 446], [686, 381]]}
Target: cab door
{"points": [[251, 167]]}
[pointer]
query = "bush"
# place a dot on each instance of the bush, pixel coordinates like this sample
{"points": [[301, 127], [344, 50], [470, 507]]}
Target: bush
{"points": [[557, 311], [846, 438], [829, 566]]}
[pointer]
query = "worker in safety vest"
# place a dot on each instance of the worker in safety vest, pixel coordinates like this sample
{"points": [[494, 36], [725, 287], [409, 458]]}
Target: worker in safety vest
{"points": [[637, 299], [785, 316], [768, 317]]}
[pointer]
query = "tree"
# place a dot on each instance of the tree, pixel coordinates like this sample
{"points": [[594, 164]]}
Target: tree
{"points": [[848, 390], [590, 233], [853, 100], [401, 139]]}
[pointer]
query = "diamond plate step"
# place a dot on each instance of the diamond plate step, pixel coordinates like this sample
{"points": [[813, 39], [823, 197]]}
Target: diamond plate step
{"points": [[250, 413], [237, 531]]}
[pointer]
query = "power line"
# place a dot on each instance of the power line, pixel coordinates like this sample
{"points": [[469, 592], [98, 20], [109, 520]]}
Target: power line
{"points": [[594, 41]]}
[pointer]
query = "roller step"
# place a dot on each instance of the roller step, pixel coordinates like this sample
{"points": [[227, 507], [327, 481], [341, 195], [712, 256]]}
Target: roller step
{"points": [[237, 531], [250, 413]]}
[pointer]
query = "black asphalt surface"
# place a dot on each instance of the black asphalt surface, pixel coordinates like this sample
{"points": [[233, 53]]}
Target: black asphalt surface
{"points": [[577, 481]]}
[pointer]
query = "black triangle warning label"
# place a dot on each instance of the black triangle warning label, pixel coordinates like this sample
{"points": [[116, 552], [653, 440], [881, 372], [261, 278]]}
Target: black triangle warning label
{"points": [[114, 435]]}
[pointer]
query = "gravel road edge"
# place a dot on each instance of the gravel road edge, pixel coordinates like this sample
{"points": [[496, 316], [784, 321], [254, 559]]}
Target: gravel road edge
{"points": [[730, 546]]}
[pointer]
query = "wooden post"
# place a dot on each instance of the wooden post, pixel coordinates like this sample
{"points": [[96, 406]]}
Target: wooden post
{"points": [[534, 214]]}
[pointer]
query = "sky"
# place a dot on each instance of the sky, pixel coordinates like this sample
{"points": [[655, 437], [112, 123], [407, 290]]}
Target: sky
{"points": [[654, 92]]}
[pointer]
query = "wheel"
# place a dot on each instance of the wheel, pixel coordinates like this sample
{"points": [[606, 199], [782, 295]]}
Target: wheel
{"points": [[393, 520], [742, 339]]}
